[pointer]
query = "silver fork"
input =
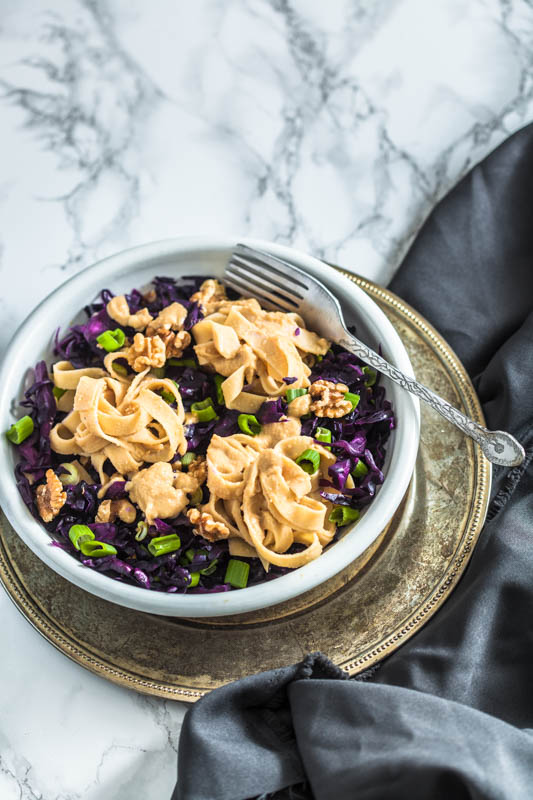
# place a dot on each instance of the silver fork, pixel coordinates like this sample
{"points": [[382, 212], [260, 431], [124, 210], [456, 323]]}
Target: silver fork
{"points": [[281, 286]]}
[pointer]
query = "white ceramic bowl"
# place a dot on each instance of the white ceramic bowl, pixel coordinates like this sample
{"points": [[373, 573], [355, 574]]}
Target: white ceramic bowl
{"points": [[207, 256]]}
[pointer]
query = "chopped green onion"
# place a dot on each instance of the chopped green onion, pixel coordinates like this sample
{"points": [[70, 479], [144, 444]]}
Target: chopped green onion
{"points": [[187, 459], [168, 397], [120, 369], [323, 435], [291, 394], [158, 372], [196, 497], [57, 392], [210, 569], [72, 477], [342, 515], [319, 358], [182, 362], [219, 380], [360, 470], [237, 573], [96, 549], [141, 530], [372, 376], [353, 398], [20, 430], [249, 424], [111, 340], [189, 554], [79, 534], [164, 544], [204, 410], [195, 578], [309, 461]]}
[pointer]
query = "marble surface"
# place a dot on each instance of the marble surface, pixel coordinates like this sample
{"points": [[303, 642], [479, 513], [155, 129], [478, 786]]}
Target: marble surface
{"points": [[332, 126]]}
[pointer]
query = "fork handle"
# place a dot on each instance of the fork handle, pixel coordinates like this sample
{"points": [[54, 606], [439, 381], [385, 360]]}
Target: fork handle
{"points": [[498, 446]]}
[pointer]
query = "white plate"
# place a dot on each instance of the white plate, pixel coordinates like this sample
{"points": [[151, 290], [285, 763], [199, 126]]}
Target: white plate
{"points": [[202, 256]]}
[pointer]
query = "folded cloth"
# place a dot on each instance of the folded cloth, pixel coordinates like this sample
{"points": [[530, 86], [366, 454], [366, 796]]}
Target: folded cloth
{"points": [[450, 714]]}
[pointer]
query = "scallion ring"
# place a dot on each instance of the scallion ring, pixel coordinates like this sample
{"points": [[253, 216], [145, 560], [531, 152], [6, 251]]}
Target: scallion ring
{"points": [[111, 340], [141, 531], [237, 573], [79, 534], [291, 394], [72, 476], [360, 470], [353, 398], [204, 410], [20, 430], [371, 376], [182, 362], [219, 380], [96, 549], [342, 515], [161, 545], [249, 424], [309, 461]]}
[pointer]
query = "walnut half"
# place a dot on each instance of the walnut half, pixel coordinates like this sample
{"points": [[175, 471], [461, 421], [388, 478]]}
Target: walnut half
{"points": [[206, 526], [328, 399], [50, 497], [175, 343], [146, 351], [198, 469]]}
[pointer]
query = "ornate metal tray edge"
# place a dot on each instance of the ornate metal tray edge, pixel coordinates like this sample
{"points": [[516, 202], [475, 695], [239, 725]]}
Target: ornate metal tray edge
{"points": [[481, 491]]}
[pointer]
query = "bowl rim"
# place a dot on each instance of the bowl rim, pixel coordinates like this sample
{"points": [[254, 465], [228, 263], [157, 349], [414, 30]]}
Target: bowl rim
{"points": [[332, 561]]}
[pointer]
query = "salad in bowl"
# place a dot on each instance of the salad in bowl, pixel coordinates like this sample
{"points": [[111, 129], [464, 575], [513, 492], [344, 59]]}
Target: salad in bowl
{"points": [[182, 441]]}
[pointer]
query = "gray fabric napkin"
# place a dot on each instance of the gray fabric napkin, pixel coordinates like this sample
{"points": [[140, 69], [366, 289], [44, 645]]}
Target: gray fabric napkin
{"points": [[450, 714]]}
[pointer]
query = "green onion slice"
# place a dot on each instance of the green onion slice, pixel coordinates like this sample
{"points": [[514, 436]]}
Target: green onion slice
{"points": [[219, 380], [168, 397], [20, 430], [353, 398], [182, 362], [371, 376], [79, 534], [187, 459], [210, 569], [196, 497], [158, 372], [204, 410], [249, 424], [96, 549], [195, 578], [237, 573], [57, 392], [342, 515], [161, 545], [120, 369], [291, 394], [323, 435], [360, 470], [141, 531], [111, 340], [72, 476], [309, 461]]}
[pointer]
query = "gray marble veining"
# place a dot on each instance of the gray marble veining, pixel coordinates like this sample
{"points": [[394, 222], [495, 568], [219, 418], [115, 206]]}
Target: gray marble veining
{"points": [[332, 126]]}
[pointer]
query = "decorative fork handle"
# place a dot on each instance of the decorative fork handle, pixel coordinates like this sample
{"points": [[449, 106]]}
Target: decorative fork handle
{"points": [[499, 447]]}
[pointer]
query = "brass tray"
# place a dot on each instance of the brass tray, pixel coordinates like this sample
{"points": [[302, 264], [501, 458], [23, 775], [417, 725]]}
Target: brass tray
{"points": [[358, 617]]}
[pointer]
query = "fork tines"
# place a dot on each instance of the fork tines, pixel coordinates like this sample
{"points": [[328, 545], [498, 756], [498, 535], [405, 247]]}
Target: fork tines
{"points": [[265, 277]]}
